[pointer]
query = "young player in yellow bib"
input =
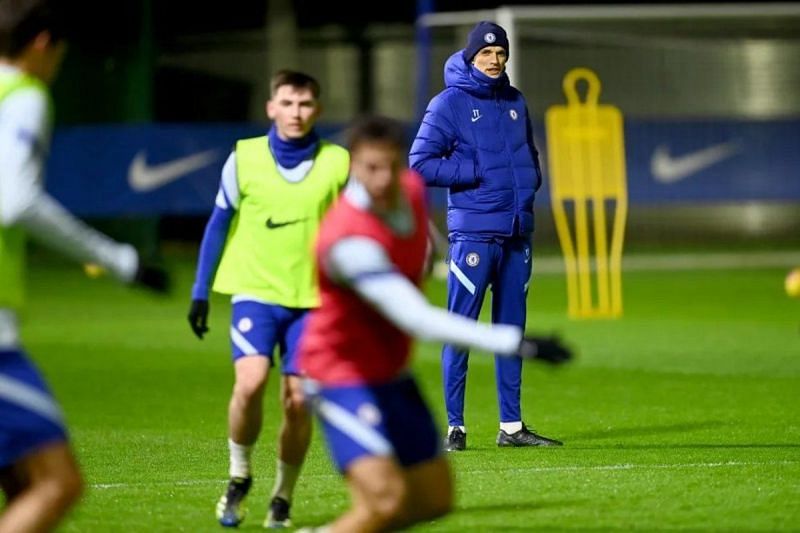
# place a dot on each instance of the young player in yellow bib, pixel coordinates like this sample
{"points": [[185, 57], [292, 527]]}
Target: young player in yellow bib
{"points": [[257, 248]]}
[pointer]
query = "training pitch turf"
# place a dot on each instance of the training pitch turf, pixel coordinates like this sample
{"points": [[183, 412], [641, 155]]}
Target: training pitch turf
{"points": [[684, 414]]}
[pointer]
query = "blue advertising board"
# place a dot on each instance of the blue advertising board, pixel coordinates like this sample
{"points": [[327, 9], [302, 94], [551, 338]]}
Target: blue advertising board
{"points": [[175, 168]]}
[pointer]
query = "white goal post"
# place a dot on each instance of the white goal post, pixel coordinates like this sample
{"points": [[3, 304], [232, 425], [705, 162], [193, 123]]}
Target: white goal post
{"points": [[508, 16]]}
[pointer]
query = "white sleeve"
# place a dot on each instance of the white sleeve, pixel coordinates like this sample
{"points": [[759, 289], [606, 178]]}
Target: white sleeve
{"points": [[24, 138], [228, 194], [50, 223], [362, 264]]}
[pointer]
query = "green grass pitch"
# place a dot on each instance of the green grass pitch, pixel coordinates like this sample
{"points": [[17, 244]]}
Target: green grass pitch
{"points": [[681, 415]]}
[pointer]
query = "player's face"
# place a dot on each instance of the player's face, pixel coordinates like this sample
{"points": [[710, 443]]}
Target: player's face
{"points": [[491, 60], [52, 61], [45, 56], [377, 165], [293, 110]]}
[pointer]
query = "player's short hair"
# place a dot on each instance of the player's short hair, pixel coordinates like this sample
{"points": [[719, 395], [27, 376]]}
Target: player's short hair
{"points": [[22, 20], [376, 129], [293, 78]]}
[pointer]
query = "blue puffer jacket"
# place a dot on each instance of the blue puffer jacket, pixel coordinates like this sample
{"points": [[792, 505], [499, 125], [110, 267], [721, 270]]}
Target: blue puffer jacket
{"points": [[476, 139]]}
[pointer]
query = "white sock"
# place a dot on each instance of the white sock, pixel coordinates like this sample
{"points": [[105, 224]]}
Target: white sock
{"points": [[511, 427], [240, 459], [285, 479], [451, 428]]}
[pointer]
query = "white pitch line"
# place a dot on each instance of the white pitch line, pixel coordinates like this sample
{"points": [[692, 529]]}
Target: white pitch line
{"points": [[633, 466], [178, 483], [617, 467]]}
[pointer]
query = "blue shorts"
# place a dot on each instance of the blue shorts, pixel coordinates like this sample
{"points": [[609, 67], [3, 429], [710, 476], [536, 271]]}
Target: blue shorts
{"points": [[257, 327], [381, 420], [29, 416]]}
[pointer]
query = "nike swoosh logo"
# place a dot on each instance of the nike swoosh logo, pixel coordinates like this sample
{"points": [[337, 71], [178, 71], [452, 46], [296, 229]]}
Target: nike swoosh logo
{"points": [[476, 119], [143, 177], [668, 169], [273, 225]]}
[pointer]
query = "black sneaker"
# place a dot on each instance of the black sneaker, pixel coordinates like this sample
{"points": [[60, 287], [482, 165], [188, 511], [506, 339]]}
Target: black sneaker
{"points": [[525, 437], [278, 515], [455, 441], [230, 511]]}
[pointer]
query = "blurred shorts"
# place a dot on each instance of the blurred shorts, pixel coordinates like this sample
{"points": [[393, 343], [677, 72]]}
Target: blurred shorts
{"points": [[29, 416], [388, 420]]}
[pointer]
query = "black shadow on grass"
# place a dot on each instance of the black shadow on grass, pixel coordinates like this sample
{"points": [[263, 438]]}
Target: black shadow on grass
{"points": [[501, 522], [531, 505], [642, 431], [488, 507]]}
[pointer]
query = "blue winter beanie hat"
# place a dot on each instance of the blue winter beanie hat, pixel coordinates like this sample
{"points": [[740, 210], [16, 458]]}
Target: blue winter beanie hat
{"points": [[485, 34]]}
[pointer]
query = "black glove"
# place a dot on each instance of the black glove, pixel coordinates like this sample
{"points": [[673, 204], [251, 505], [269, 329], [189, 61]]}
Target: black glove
{"points": [[547, 349], [198, 317], [153, 278]]}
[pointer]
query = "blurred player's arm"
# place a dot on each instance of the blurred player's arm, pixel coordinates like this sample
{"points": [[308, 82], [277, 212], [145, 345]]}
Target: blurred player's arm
{"points": [[24, 202], [214, 237], [362, 264], [430, 151]]}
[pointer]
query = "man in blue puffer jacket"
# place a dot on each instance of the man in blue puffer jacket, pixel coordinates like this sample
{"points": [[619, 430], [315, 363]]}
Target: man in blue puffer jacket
{"points": [[476, 140]]}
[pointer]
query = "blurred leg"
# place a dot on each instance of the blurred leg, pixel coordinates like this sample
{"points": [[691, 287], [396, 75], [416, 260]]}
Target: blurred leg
{"points": [[46, 484], [378, 493], [430, 491]]}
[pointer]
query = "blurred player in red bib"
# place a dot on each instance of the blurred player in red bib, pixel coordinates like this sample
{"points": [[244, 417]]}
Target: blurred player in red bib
{"points": [[371, 256]]}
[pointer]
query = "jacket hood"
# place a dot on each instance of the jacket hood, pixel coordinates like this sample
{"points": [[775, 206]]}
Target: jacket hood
{"points": [[463, 75]]}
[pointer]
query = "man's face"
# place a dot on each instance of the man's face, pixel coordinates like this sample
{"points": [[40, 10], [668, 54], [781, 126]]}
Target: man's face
{"points": [[293, 110], [52, 59], [44, 56], [377, 165], [491, 60]]}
